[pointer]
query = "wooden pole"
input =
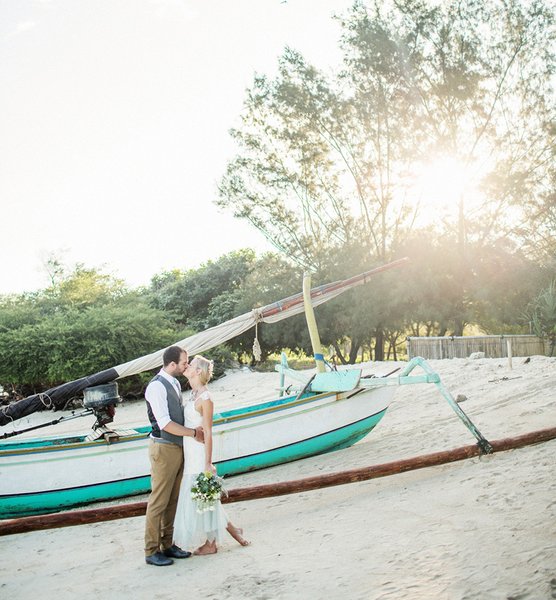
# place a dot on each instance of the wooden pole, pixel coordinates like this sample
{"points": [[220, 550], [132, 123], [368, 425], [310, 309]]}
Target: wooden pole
{"points": [[509, 348], [284, 363], [137, 509], [312, 324]]}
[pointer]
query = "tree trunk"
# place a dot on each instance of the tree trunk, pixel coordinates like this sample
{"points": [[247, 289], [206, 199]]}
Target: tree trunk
{"points": [[379, 344], [392, 347], [339, 353], [392, 339], [353, 351]]}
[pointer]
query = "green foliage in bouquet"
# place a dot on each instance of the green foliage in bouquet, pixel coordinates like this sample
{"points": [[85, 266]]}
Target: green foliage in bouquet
{"points": [[207, 491]]}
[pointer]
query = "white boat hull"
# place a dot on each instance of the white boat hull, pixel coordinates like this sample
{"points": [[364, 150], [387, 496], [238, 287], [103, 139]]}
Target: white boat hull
{"points": [[55, 473]]}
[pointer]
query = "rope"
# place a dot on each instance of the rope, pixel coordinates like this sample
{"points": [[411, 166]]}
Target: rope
{"points": [[42, 396], [5, 414], [3, 410], [256, 346]]}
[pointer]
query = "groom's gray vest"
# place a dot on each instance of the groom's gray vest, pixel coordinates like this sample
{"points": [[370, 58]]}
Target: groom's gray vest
{"points": [[175, 410]]}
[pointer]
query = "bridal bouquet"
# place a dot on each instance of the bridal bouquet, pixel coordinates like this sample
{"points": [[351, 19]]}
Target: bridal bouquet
{"points": [[207, 491]]}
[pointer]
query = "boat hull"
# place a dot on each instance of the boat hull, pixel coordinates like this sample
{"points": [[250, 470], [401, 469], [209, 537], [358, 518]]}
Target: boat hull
{"points": [[40, 476]]}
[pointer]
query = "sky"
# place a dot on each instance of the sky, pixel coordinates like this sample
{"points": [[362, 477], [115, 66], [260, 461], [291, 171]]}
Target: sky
{"points": [[114, 127]]}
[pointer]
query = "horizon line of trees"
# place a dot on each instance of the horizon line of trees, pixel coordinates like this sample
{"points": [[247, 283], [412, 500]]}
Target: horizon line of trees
{"points": [[87, 321]]}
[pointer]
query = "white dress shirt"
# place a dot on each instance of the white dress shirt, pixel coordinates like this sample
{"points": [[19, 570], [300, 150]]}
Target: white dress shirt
{"points": [[155, 395]]}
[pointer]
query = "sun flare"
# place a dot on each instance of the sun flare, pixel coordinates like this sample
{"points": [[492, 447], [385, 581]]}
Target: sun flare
{"points": [[440, 186], [441, 183]]}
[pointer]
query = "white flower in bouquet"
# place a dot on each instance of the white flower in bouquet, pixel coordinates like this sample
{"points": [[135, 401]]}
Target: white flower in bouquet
{"points": [[207, 491]]}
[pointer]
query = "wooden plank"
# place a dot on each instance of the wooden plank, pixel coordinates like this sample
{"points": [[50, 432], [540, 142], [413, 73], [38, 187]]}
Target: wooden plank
{"points": [[68, 519], [81, 517]]}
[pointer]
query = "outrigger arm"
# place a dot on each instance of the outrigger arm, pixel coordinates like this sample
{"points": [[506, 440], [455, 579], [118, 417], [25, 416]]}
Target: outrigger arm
{"points": [[431, 376], [345, 381]]}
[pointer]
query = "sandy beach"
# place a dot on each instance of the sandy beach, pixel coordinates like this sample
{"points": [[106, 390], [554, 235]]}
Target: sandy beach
{"points": [[483, 528]]}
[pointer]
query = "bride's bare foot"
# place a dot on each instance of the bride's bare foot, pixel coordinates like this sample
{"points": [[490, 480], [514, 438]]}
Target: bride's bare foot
{"points": [[206, 548], [237, 534]]}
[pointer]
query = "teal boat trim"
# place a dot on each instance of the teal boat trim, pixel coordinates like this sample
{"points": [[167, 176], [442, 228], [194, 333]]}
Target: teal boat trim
{"points": [[336, 439], [268, 407], [36, 503], [57, 444], [32, 503]]}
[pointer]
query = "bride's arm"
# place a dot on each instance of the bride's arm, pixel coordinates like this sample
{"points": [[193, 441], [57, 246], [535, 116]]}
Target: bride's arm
{"points": [[208, 411]]}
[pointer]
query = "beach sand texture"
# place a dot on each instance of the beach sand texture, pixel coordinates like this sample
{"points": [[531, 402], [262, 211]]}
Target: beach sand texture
{"points": [[483, 528]]}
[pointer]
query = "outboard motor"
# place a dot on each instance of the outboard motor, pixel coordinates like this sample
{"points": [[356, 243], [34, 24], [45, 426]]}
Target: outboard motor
{"points": [[102, 400]]}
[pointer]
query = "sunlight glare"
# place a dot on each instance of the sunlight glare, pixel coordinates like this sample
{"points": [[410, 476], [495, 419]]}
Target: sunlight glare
{"points": [[439, 187]]}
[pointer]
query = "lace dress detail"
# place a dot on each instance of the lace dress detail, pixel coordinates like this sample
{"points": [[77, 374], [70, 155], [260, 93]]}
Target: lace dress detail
{"points": [[192, 529]]}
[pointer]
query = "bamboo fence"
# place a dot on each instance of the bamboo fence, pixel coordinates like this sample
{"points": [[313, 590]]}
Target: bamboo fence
{"points": [[493, 346]]}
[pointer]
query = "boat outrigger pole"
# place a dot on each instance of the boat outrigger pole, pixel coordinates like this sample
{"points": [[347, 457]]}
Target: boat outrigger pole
{"points": [[430, 376]]}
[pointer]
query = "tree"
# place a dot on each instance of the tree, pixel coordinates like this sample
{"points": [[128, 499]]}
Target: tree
{"points": [[271, 278], [73, 344], [503, 283], [542, 314], [18, 310], [87, 286], [55, 268], [499, 287], [187, 295], [83, 324], [305, 174], [328, 163]]}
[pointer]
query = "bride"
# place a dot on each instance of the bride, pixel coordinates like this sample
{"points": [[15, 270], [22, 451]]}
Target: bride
{"points": [[192, 529]]}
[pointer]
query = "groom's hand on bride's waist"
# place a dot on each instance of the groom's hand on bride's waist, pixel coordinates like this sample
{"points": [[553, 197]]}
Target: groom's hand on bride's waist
{"points": [[199, 434]]}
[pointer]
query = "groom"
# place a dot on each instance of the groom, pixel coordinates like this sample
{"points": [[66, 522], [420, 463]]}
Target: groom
{"points": [[165, 411]]}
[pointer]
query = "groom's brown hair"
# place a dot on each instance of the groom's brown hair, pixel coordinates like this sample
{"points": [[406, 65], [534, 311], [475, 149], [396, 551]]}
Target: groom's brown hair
{"points": [[172, 354]]}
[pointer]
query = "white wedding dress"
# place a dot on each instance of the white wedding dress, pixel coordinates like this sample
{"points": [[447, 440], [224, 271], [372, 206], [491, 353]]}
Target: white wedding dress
{"points": [[192, 529]]}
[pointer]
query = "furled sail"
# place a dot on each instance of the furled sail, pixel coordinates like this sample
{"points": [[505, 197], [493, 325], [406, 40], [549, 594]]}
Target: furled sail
{"points": [[195, 344]]}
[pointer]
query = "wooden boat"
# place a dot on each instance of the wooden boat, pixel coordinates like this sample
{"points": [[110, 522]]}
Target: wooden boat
{"points": [[332, 410], [51, 474]]}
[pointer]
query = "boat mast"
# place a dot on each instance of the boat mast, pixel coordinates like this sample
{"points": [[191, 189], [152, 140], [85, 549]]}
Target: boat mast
{"points": [[312, 324]]}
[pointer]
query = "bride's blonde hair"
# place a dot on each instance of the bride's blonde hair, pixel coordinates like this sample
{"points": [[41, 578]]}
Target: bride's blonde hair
{"points": [[206, 366]]}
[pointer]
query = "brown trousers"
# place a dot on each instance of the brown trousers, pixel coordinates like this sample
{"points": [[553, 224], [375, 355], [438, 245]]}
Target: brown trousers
{"points": [[166, 474]]}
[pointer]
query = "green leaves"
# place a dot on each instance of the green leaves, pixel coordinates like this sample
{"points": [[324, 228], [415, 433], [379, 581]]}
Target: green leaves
{"points": [[542, 314], [83, 325], [187, 295], [328, 163], [206, 491]]}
